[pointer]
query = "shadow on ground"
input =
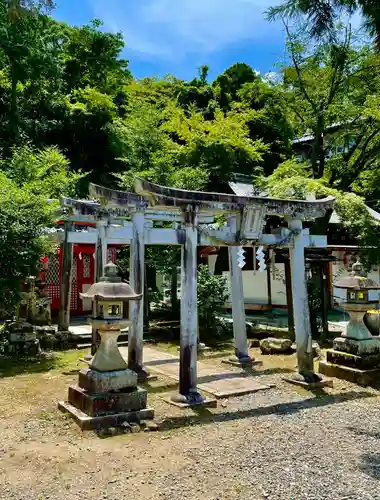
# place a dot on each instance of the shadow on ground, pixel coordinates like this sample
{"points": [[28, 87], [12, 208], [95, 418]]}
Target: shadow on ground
{"points": [[11, 366], [248, 370], [204, 416], [370, 464]]}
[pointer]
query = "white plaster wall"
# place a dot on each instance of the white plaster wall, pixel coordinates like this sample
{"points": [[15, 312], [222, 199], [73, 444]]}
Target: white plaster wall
{"points": [[255, 285]]}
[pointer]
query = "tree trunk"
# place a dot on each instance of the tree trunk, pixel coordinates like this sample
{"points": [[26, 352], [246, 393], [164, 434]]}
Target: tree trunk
{"points": [[318, 152], [14, 121]]}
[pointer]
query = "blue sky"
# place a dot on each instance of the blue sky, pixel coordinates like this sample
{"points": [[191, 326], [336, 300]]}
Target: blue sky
{"points": [[178, 36]]}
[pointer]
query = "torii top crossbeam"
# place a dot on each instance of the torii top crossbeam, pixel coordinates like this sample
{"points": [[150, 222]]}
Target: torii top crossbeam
{"points": [[166, 203]]}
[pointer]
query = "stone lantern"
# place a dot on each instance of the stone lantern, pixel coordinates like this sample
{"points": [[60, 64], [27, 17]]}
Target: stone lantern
{"points": [[107, 392], [356, 353]]}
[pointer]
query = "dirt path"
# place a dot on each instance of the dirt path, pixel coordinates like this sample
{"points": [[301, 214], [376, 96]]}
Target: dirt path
{"points": [[281, 444]]}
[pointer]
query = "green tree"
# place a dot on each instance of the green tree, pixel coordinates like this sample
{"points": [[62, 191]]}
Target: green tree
{"points": [[228, 84], [322, 15], [42, 173], [28, 50], [268, 120], [212, 294], [92, 58], [296, 180], [334, 85], [24, 218], [221, 146]]}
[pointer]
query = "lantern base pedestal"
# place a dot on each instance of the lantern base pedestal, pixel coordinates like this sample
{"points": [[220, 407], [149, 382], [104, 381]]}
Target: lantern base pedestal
{"points": [[88, 423], [363, 346], [104, 382], [106, 399], [96, 405], [361, 370]]}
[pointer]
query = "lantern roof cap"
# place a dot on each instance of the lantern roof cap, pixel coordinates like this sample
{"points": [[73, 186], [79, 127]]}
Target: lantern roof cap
{"points": [[110, 287], [357, 280]]}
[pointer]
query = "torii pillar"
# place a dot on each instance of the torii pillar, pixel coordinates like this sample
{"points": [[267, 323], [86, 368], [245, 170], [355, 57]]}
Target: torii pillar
{"points": [[306, 375], [241, 357], [136, 307], [188, 392], [65, 283]]}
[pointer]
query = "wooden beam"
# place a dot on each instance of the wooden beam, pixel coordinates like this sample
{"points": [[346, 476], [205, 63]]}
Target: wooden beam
{"points": [[167, 236]]}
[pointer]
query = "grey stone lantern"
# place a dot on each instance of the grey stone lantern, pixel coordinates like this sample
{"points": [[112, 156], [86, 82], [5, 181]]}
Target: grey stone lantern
{"points": [[107, 392], [109, 294], [357, 285], [357, 336], [356, 353]]}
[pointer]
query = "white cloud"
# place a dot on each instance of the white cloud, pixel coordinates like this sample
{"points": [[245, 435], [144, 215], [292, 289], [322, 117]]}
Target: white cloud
{"points": [[172, 29]]}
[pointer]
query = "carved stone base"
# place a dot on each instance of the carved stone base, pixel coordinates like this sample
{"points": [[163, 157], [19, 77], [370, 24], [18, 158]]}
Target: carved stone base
{"points": [[110, 402], [309, 381], [188, 401], [357, 347], [366, 362], [350, 374], [87, 422], [101, 382]]}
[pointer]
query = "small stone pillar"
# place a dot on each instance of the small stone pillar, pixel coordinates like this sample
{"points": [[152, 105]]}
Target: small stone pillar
{"points": [[136, 307], [306, 375], [355, 356], [107, 394]]}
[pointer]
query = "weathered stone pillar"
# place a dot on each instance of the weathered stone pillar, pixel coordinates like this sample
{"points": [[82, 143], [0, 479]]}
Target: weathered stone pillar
{"points": [[301, 306], [65, 284], [188, 393], [136, 307], [100, 262], [238, 309]]}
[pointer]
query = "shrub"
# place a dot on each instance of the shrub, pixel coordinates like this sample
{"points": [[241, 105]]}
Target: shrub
{"points": [[212, 295]]}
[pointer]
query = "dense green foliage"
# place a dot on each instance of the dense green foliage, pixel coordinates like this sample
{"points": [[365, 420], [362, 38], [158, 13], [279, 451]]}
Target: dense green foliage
{"points": [[72, 112], [321, 15], [211, 297]]}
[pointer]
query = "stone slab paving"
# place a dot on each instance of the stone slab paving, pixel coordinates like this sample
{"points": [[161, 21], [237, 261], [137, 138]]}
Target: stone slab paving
{"points": [[215, 381]]}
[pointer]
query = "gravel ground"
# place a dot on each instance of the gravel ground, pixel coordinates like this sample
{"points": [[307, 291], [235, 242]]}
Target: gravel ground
{"points": [[281, 444]]}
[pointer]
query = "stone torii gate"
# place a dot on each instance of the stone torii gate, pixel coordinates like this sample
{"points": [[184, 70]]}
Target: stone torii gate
{"points": [[193, 215]]}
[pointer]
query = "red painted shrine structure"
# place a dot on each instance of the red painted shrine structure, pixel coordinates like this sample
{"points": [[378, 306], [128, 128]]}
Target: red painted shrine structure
{"points": [[83, 274]]}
